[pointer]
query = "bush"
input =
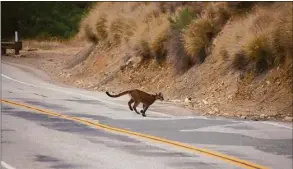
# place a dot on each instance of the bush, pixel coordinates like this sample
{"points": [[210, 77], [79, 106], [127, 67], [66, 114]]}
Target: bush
{"points": [[116, 30], [159, 47], [197, 38], [101, 27], [282, 37], [121, 29], [182, 20], [89, 34], [129, 29], [240, 61], [258, 50], [143, 50]]}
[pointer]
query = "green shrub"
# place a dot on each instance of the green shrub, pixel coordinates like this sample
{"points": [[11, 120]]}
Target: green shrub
{"points": [[182, 20]]}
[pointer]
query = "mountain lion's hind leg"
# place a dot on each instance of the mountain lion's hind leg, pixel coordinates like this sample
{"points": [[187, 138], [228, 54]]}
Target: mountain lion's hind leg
{"points": [[144, 110], [134, 107], [129, 104]]}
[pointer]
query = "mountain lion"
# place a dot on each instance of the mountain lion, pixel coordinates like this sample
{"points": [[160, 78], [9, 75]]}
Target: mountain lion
{"points": [[138, 96]]}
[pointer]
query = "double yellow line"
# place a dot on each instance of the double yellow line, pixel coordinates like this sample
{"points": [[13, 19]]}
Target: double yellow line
{"points": [[229, 159]]}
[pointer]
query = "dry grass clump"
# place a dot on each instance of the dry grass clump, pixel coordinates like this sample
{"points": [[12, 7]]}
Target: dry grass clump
{"points": [[101, 27], [240, 61], [263, 38], [138, 25], [197, 37], [89, 34], [282, 42], [159, 47], [116, 30], [199, 34], [183, 32], [143, 49], [258, 50]]}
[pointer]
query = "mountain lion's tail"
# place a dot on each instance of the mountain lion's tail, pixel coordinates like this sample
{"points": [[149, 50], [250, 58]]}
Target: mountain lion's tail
{"points": [[117, 95]]}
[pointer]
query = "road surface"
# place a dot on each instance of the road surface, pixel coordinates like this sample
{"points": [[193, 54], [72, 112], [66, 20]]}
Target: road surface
{"points": [[34, 138]]}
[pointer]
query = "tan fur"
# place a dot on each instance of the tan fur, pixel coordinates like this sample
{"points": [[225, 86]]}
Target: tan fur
{"points": [[138, 96]]}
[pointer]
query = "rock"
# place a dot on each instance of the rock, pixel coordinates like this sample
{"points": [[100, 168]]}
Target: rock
{"points": [[187, 100], [204, 101], [216, 110], [230, 98], [268, 82], [288, 118], [96, 88], [90, 85], [78, 82], [262, 116], [129, 62], [243, 117], [226, 114], [68, 75]]}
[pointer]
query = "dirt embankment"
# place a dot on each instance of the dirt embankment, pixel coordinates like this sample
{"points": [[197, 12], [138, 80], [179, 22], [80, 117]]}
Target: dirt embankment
{"points": [[245, 70]]}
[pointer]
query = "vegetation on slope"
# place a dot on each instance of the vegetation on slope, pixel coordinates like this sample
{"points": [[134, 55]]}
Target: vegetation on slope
{"points": [[183, 33], [240, 48]]}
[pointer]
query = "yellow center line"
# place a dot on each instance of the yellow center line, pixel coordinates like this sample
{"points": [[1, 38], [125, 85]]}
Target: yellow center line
{"points": [[232, 160]]}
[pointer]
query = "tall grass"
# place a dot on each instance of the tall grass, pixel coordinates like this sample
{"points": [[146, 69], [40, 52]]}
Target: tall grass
{"points": [[198, 35], [248, 33], [262, 38]]}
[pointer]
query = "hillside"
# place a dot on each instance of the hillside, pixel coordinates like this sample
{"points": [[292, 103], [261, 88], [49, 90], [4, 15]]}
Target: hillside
{"points": [[231, 59]]}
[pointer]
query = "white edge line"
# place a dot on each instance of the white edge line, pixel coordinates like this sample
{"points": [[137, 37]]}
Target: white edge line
{"points": [[276, 124], [242, 122], [74, 94], [7, 166], [191, 130]]}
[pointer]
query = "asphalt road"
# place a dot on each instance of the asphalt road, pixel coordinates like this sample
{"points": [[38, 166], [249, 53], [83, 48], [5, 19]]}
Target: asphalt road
{"points": [[31, 140]]}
